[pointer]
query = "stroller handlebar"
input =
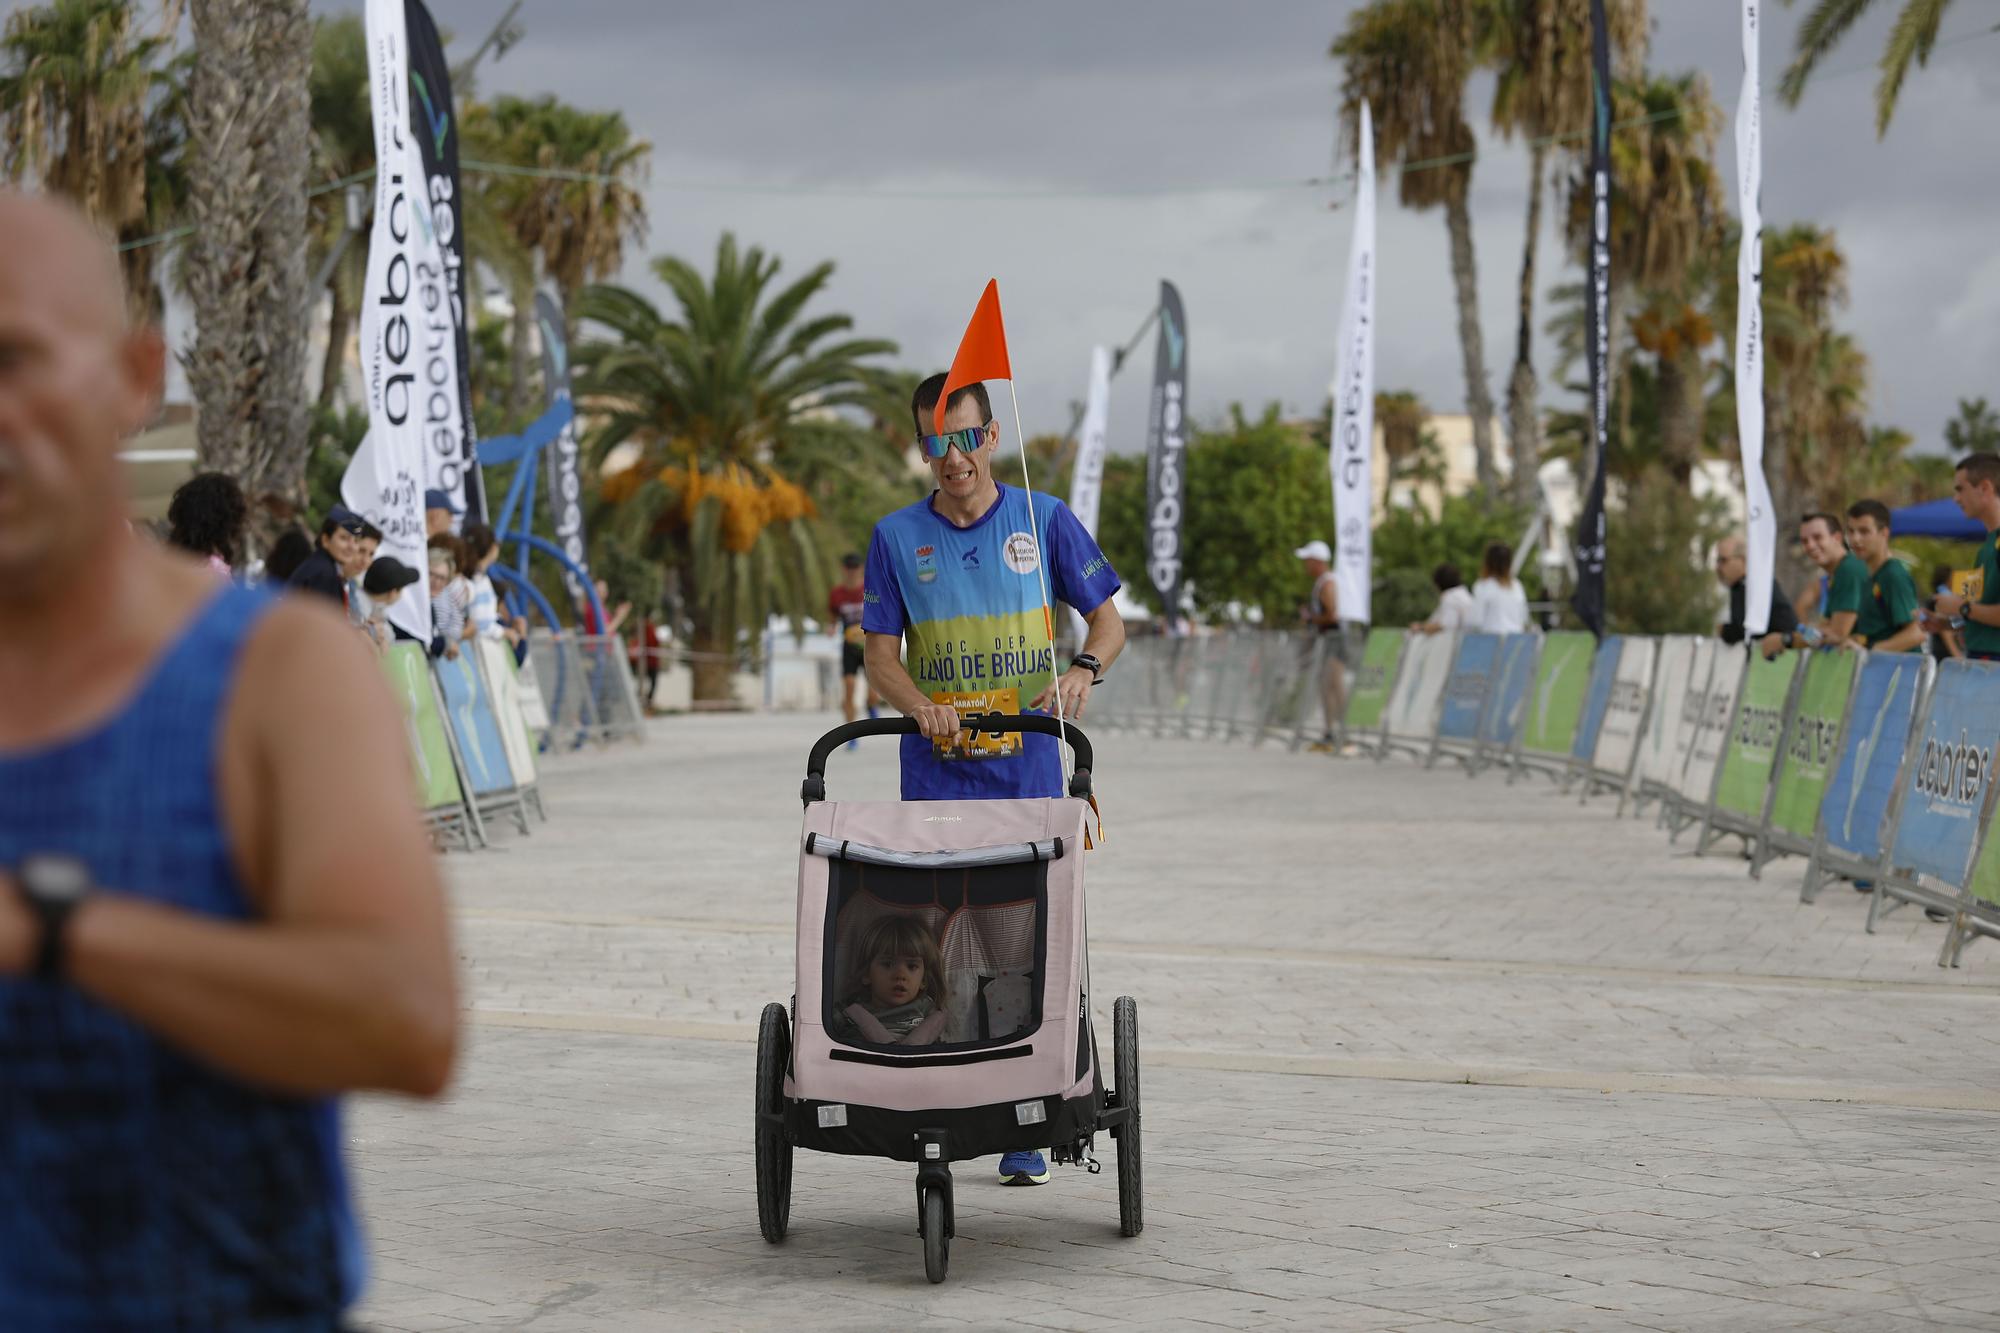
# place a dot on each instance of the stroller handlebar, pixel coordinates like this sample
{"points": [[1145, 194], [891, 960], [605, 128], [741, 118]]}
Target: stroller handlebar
{"points": [[996, 723]]}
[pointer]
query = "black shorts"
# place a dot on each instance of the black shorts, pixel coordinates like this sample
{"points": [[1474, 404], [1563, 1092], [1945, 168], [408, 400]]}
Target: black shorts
{"points": [[850, 659]]}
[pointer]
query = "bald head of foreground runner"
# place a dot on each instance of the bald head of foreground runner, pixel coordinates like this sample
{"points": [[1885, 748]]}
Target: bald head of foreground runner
{"points": [[218, 906]]}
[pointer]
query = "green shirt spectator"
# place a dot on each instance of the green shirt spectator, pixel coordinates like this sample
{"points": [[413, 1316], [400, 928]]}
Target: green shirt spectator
{"points": [[1981, 638], [1890, 605], [1847, 590]]}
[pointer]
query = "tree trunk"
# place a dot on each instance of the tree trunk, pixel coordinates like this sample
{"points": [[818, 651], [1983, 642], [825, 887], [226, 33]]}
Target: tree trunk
{"points": [[1478, 399], [1789, 502], [523, 331], [1680, 416], [337, 320], [248, 130], [1524, 419], [714, 665]]}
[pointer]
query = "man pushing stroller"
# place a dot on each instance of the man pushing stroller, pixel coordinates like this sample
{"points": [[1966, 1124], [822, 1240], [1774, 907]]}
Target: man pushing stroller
{"points": [[960, 579]]}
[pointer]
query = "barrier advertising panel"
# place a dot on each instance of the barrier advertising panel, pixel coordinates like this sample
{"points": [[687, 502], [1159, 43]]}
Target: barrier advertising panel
{"points": [[1670, 696], [1813, 743], [1368, 692], [1864, 782], [1512, 680], [1711, 728], [1556, 701], [1625, 709], [1752, 747], [497, 662], [1597, 697], [409, 675], [1413, 704], [469, 709], [1944, 787], [1465, 689]]}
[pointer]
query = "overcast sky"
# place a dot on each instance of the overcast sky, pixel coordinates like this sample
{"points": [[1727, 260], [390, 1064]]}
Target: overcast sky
{"points": [[1079, 152]]}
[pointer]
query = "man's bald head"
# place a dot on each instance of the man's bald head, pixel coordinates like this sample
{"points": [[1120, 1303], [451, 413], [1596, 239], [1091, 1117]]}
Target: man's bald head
{"points": [[1729, 560], [68, 248], [75, 380]]}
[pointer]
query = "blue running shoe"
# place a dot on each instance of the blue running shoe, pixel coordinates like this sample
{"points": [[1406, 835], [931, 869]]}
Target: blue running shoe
{"points": [[1024, 1168]]}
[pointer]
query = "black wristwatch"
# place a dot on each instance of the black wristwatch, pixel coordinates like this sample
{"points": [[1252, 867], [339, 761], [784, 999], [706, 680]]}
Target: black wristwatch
{"points": [[1090, 664], [52, 887]]}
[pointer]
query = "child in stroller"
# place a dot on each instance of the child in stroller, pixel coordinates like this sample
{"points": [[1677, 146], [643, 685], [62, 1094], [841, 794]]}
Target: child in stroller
{"points": [[897, 995]]}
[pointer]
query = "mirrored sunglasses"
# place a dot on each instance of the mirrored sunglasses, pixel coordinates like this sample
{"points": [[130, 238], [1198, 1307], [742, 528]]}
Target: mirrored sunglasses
{"points": [[965, 441]]}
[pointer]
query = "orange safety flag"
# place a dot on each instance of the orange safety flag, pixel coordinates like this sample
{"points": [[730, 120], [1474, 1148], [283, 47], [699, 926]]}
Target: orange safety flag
{"points": [[982, 352]]}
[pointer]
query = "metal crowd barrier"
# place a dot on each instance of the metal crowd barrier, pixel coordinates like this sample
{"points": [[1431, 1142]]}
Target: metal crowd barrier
{"points": [[1875, 768]]}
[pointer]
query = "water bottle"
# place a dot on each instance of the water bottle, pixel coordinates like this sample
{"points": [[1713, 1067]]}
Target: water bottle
{"points": [[1957, 621], [1810, 636]]}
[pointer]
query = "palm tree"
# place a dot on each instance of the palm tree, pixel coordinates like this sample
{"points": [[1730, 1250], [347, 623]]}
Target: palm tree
{"points": [[1912, 38], [1541, 52], [1409, 60], [343, 144], [1410, 448], [90, 108], [564, 185], [720, 402], [250, 139], [1667, 220]]}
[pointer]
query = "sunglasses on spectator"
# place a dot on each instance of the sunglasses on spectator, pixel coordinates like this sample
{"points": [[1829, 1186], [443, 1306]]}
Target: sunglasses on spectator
{"points": [[966, 441]]}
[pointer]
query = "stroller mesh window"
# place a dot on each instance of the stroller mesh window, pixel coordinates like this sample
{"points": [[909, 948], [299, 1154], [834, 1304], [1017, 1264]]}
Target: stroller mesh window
{"points": [[987, 926]]}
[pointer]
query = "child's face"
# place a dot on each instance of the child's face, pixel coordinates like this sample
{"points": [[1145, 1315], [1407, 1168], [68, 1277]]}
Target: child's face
{"points": [[440, 577], [895, 979]]}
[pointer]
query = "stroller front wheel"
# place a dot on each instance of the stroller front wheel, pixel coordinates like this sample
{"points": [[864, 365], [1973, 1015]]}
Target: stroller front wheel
{"points": [[937, 1234], [774, 1150]]}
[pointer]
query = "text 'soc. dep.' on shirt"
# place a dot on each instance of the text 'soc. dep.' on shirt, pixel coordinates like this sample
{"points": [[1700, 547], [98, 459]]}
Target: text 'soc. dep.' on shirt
{"points": [[968, 603]]}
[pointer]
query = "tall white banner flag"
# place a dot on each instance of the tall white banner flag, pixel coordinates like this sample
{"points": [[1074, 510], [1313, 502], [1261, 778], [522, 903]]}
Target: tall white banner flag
{"points": [[1763, 535], [1087, 478], [400, 344], [1352, 456]]}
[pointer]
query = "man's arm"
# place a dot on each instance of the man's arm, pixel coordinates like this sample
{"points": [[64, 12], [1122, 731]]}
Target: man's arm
{"points": [[882, 658], [1902, 641], [1327, 613], [1840, 629], [1103, 639], [344, 979]]}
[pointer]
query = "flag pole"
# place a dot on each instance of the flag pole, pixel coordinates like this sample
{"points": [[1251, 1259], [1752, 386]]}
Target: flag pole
{"points": [[1042, 574]]}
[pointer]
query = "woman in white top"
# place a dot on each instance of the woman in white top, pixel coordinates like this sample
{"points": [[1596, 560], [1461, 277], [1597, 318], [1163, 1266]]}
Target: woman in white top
{"points": [[1455, 608], [1500, 606]]}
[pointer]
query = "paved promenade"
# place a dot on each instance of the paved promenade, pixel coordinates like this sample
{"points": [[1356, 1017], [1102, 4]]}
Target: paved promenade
{"points": [[1420, 1053]]}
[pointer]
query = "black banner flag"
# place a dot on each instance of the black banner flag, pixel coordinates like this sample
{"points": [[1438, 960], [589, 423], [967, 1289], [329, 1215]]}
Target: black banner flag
{"points": [[449, 428], [1166, 462], [1588, 538]]}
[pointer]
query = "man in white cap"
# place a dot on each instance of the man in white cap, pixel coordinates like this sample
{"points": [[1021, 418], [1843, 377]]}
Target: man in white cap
{"points": [[1322, 612]]}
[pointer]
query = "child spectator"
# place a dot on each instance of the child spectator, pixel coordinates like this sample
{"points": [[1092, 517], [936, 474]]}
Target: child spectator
{"points": [[206, 518], [897, 994]]}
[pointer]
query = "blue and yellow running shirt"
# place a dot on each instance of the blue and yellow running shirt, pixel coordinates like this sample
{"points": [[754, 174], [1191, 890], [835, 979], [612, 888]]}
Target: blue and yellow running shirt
{"points": [[968, 603]]}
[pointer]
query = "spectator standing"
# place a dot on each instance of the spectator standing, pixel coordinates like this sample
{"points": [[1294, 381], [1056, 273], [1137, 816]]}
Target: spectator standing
{"points": [[1975, 484], [325, 570], [439, 513], [1500, 606], [592, 624], [1887, 620], [1455, 608], [1731, 571], [1843, 577], [383, 586], [218, 907], [843, 608], [1322, 613], [449, 598], [206, 518]]}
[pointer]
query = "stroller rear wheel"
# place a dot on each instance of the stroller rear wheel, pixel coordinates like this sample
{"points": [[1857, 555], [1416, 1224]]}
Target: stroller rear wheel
{"points": [[774, 1150], [937, 1234], [1125, 1069]]}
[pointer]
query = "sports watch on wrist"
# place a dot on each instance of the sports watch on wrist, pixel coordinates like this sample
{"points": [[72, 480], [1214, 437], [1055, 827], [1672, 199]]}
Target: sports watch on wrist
{"points": [[52, 887], [1090, 664]]}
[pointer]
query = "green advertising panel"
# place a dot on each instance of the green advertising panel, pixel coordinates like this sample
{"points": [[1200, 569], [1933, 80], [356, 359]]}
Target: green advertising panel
{"points": [[1986, 870], [1368, 694], [1753, 741], [1557, 700], [430, 749], [1814, 746]]}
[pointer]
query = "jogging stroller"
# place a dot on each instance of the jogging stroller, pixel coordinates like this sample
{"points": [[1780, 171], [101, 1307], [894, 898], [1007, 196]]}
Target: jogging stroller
{"points": [[1014, 1065]]}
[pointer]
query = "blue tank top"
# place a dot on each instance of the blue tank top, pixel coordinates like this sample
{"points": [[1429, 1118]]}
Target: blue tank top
{"points": [[138, 1188]]}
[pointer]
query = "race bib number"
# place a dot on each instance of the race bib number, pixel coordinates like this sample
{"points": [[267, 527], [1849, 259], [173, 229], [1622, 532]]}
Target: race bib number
{"points": [[983, 744]]}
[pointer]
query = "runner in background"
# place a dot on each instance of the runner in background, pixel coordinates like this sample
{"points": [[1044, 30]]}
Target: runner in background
{"points": [[843, 609]]}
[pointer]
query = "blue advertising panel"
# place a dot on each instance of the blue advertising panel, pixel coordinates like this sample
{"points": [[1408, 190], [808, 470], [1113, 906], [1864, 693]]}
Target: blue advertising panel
{"points": [[474, 724], [1512, 680], [1603, 670], [1465, 688], [1857, 799], [1944, 793]]}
